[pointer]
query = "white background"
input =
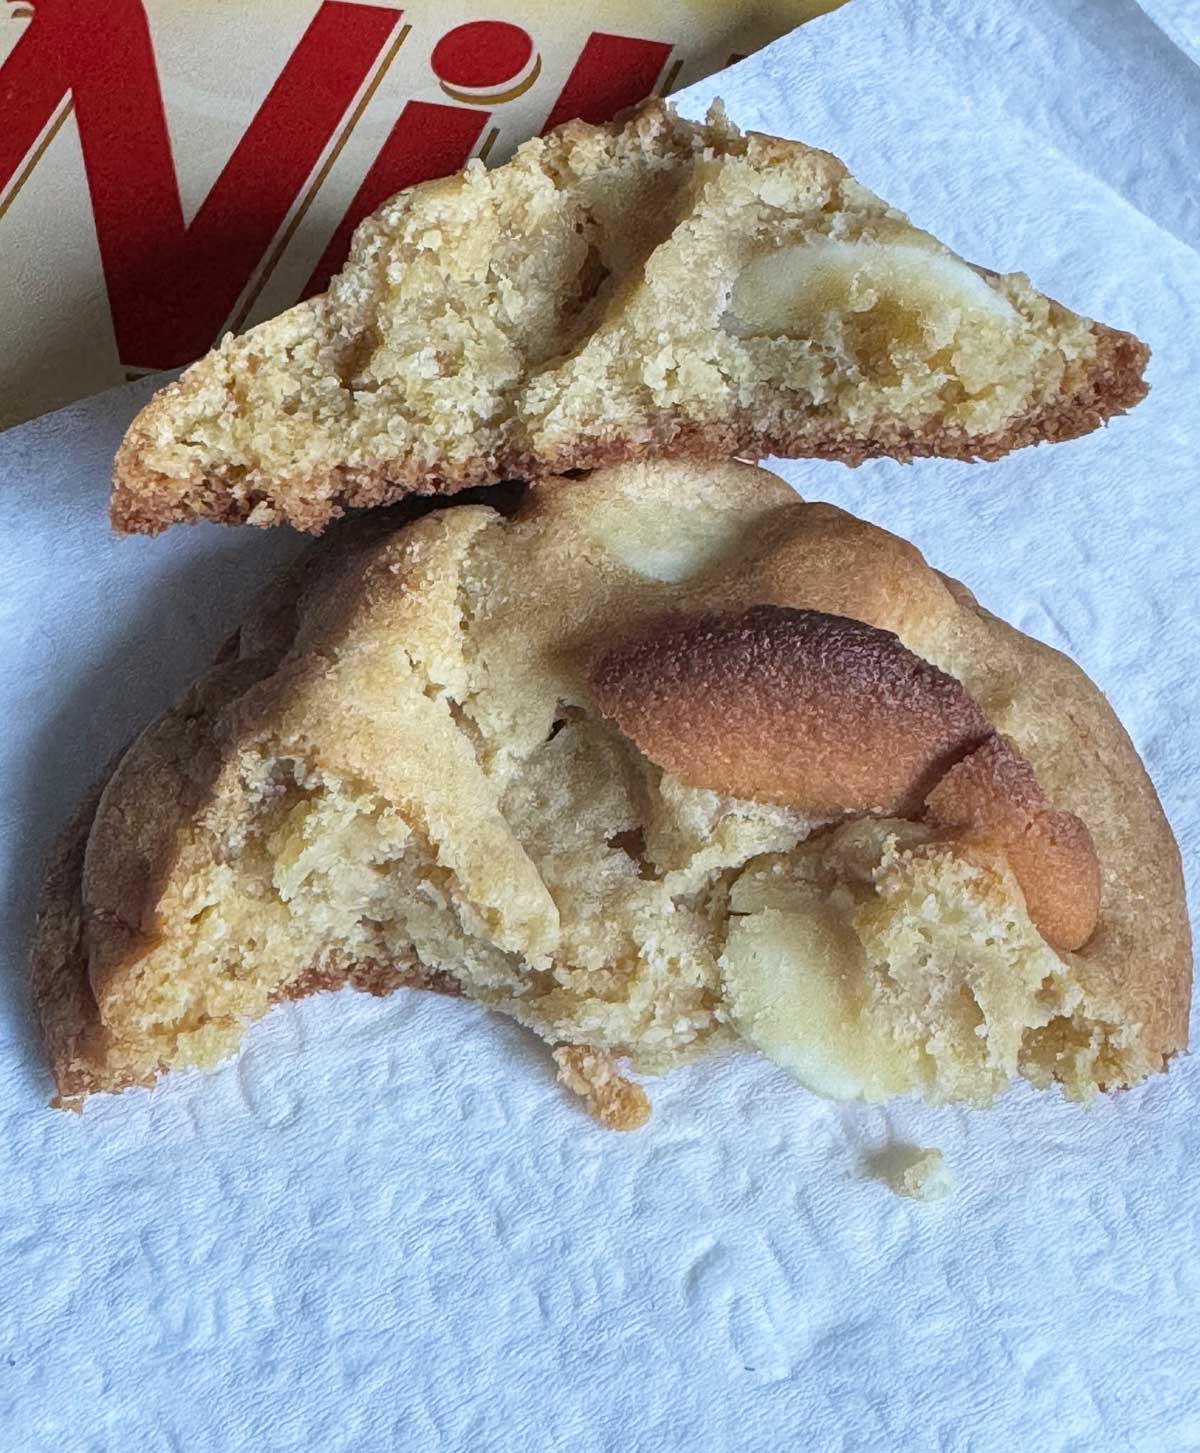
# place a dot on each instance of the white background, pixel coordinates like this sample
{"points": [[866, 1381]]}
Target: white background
{"points": [[385, 1226]]}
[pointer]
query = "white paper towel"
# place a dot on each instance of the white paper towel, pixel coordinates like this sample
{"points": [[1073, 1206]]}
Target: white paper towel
{"points": [[385, 1226]]}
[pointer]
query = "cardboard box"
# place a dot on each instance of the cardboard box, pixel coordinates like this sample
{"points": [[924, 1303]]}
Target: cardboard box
{"points": [[174, 169]]}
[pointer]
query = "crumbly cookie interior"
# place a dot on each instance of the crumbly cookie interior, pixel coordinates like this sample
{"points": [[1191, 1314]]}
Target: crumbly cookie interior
{"points": [[428, 789], [607, 293], [675, 922]]}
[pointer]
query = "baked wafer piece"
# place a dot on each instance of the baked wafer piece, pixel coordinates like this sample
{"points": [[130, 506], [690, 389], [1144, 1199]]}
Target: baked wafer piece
{"points": [[661, 760], [649, 288]]}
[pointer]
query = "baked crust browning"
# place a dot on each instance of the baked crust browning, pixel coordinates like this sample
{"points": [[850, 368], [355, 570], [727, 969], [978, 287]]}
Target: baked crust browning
{"points": [[823, 560], [396, 772], [616, 1102], [817, 712], [574, 309], [831, 716], [992, 799], [75, 1040], [368, 976], [72, 939], [147, 501], [108, 897]]}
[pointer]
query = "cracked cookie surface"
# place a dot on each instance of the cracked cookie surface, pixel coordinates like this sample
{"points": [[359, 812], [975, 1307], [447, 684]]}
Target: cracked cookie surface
{"points": [[544, 755], [652, 287]]}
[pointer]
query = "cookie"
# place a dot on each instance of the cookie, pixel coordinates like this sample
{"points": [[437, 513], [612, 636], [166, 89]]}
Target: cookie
{"points": [[649, 288], [657, 761]]}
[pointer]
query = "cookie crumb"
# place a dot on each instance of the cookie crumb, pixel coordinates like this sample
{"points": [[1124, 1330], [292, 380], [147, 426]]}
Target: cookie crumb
{"points": [[617, 1103], [919, 1174]]}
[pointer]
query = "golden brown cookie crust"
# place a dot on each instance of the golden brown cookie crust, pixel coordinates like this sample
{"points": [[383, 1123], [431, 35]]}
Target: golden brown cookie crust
{"points": [[120, 866], [223, 443], [816, 711], [145, 501], [992, 798], [831, 716]]}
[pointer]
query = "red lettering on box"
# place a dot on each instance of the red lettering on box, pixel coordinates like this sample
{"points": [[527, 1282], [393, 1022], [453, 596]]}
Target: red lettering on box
{"points": [[612, 72], [171, 286]]}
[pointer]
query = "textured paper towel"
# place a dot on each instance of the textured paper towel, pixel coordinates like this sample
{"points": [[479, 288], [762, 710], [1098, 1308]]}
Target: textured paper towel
{"points": [[385, 1226]]}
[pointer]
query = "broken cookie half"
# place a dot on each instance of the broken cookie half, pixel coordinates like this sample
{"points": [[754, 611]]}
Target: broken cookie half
{"points": [[652, 287], [659, 761]]}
